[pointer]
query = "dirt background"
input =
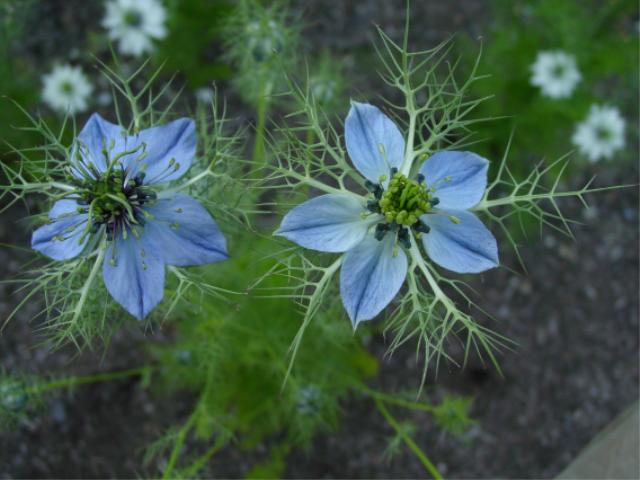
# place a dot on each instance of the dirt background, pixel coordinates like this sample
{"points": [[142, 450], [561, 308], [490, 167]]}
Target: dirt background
{"points": [[574, 316]]}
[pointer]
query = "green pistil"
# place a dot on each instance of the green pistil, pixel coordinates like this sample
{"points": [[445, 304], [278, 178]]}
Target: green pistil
{"points": [[404, 200]]}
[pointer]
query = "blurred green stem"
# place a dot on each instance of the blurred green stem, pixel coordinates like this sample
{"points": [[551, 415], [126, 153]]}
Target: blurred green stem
{"points": [[413, 446], [204, 458], [177, 447], [258, 147], [401, 402], [311, 138], [87, 379]]}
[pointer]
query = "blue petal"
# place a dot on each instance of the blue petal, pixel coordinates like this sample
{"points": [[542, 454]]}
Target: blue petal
{"points": [[182, 232], [370, 277], [96, 135], [170, 150], [134, 275], [459, 178], [329, 223], [464, 247], [60, 239], [373, 141]]}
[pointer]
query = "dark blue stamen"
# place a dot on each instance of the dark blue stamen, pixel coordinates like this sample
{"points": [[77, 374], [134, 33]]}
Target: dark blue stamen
{"points": [[381, 230], [139, 178], [420, 178], [373, 206], [434, 201], [394, 170], [403, 238], [422, 227], [374, 188]]}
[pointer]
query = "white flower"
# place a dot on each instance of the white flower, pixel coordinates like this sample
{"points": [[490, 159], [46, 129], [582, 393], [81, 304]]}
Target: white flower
{"points": [[134, 24], [205, 94], [555, 73], [601, 134], [66, 89]]}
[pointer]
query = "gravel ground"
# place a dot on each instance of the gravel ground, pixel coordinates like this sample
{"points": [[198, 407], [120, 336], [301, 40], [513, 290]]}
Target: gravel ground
{"points": [[574, 316]]}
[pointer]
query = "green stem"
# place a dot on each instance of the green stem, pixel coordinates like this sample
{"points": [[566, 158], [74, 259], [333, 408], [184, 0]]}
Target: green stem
{"points": [[408, 440], [401, 402], [311, 138], [88, 284], [261, 122], [182, 435], [87, 379], [531, 198], [204, 458]]}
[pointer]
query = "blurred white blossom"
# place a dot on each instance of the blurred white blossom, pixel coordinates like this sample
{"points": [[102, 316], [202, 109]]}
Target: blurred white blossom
{"points": [[205, 94], [134, 24], [601, 134], [555, 73], [66, 89]]}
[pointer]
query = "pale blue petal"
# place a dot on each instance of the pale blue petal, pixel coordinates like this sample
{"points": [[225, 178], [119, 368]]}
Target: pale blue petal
{"points": [[373, 141], [96, 135], [370, 277], [182, 232], [459, 178], [164, 152], [169, 150], [464, 247], [329, 223], [133, 275], [60, 239]]}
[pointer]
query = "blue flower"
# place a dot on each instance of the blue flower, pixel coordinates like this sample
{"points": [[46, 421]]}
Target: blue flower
{"points": [[118, 210], [373, 231]]}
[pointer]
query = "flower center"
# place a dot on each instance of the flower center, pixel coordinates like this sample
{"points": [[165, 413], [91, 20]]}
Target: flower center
{"points": [[404, 201], [115, 201], [114, 198], [133, 18], [66, 87], [602, 133], [558, 71], [402, 205]]}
